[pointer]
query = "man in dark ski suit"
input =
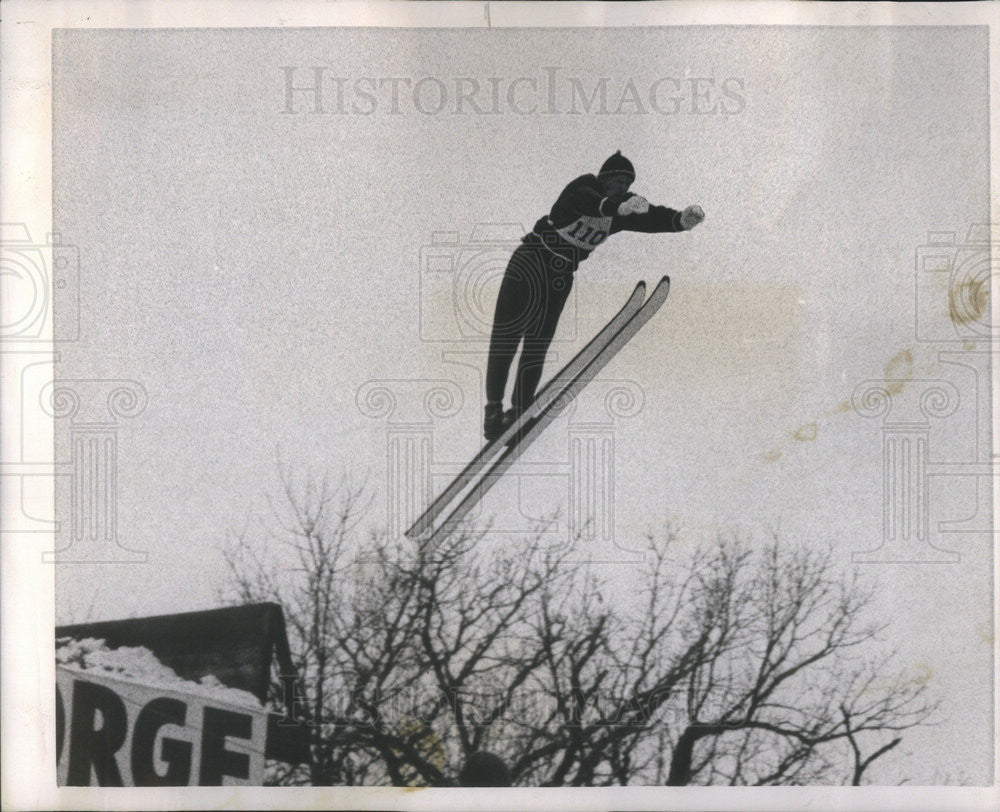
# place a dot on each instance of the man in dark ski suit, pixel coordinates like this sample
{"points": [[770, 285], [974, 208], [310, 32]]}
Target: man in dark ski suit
{"points": [[539, 276]]}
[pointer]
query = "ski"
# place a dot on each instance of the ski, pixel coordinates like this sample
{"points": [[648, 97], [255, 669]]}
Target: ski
{"points": [[546, 396], [532, 428]]}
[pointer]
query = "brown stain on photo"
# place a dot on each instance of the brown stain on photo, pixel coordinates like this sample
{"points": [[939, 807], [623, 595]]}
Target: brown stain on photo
{"points": [[806, 433], [912, 676], [422, 738], [985, 633], [899, 366], [969, 301], [897, 370]]}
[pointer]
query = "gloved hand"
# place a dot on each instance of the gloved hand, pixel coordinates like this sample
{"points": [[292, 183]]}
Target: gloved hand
{"points": [[634, 205], [691, 216]]}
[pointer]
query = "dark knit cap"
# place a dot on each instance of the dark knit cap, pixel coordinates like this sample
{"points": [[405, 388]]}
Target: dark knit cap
{"points": [[617, 163]]}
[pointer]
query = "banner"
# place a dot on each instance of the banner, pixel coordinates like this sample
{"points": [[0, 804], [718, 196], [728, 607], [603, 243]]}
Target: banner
{"points": [[115, 732]]}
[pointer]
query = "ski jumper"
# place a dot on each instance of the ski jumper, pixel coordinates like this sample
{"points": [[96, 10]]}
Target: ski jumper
{"points": [[539, 278]]}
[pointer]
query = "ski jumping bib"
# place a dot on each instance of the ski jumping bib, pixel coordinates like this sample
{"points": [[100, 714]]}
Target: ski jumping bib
{"points": [[586, 232]]}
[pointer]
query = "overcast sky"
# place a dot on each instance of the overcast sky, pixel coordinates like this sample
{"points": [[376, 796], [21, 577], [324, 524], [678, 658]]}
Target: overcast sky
{"points": [[251, 255]]}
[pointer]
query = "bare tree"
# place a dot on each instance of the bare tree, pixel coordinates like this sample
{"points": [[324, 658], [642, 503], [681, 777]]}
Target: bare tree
{"points": [[731, 664]]}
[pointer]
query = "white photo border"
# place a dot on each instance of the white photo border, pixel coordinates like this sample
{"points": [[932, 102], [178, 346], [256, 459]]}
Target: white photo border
{"points": [[28, 752]]}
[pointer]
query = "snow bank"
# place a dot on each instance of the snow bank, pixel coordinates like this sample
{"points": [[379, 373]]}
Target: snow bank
{"points": [[140, 664]]}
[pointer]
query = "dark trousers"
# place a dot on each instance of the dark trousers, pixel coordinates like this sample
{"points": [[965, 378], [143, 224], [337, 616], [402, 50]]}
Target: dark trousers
{"points": [[529, 304]]}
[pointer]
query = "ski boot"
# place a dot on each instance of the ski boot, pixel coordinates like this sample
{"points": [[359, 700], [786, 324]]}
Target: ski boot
{"points": [[495, 421]]}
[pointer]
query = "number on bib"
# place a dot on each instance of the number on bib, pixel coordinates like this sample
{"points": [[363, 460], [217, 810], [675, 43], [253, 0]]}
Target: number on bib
{"points": [[589, 235]]}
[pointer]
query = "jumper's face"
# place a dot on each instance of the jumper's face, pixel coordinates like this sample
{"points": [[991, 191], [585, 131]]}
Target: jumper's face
{"points": [[615, 184]]}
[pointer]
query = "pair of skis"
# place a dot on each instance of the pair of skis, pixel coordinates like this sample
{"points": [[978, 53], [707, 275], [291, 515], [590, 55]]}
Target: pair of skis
{"points": [[500, 454]]}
